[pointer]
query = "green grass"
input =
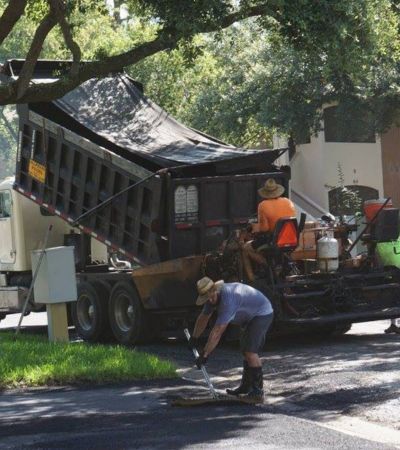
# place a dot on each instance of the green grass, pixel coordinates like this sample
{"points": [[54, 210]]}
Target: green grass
{"points": [[33, 361]]}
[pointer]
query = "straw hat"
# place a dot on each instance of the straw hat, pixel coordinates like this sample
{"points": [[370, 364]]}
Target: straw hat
{"points": [[271, 189], [204, 287]]}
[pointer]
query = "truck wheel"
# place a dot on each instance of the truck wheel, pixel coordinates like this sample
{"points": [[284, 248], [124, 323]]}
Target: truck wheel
{"points": [[89, 312], [127, 317]]}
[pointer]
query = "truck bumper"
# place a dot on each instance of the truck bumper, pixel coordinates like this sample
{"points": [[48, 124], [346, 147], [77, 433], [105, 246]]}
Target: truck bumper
{"points": [[12, 299], [354, 317]]}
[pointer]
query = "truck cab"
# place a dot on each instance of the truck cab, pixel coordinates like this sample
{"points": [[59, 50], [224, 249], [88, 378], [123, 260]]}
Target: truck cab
{"points": [[7, 241], [23, 225]]}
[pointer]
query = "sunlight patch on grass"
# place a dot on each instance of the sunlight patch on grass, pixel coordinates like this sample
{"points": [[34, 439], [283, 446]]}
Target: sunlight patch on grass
{"points": [[33, 361]]}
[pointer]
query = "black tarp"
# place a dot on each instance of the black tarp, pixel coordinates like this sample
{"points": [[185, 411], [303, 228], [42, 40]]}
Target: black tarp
{"points": [[114, 112]]}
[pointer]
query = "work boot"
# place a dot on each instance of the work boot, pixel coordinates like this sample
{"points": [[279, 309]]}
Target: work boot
{"points": [[393, 329], [245, 384], [256, 394]]}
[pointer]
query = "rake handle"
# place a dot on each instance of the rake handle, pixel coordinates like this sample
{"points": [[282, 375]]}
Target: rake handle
{"points": [[203, 367]]}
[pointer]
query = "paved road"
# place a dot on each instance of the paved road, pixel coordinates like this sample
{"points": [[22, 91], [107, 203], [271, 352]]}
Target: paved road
{"points": [[140, 417], [351, 384], [355, 375]]}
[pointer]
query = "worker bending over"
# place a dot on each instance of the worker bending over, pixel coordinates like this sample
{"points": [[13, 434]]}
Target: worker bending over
{"points": [[270, 210], [239, 304]]}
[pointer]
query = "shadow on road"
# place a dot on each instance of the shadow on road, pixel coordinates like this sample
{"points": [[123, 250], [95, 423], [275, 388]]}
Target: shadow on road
{"points": [[350, 374]]}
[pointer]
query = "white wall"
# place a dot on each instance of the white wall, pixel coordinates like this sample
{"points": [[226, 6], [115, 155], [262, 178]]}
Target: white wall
{"points": [[315, 166]]}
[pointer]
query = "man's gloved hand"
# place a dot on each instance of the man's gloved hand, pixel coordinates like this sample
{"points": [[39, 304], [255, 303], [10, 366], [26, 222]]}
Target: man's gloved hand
{"points": [[201, 361], [193, 343]]}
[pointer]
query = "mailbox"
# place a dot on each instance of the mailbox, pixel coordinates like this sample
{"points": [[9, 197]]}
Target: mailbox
{"points": [[55, 281]]}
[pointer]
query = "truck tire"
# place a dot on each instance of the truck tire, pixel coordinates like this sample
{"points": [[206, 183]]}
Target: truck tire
{"points": [[90, 312], [127, 317]]}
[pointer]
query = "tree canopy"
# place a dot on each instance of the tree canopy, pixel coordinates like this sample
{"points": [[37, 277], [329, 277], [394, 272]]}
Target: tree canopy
{"points": [[239, 70], [275, 83], [340, 33]]}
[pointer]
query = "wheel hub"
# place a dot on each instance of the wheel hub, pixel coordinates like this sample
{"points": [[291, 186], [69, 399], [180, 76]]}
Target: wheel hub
{"points": [[124, 313], [85, 312]]}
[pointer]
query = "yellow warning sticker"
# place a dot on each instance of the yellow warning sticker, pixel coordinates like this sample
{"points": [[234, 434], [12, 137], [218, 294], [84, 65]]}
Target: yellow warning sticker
{"points": [[37, 171]]}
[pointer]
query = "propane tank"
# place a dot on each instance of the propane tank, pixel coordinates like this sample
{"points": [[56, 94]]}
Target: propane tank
{"points": [[328, 253]]}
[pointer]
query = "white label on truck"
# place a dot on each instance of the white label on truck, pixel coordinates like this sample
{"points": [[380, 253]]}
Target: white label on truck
{"points": [[186, 204], [192, 199], [180, 204], [192, 203]]}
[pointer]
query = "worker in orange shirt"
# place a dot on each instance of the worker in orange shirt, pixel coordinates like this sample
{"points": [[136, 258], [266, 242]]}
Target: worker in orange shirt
{"points": [[272, 208]]}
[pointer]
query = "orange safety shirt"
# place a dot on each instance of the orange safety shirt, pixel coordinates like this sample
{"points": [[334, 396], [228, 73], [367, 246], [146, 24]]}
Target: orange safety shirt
{"points": [[271, 210]]}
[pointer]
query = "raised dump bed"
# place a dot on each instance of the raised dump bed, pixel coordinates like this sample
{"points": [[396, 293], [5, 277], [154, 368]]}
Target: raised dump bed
{"points": [[79, 151]]}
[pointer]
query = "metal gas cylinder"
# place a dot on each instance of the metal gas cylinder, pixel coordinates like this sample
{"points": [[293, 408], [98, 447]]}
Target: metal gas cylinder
{"points": [[328, 253]]}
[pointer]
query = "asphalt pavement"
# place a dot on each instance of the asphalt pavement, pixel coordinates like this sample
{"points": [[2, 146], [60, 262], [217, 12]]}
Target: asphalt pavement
{"points": [[338, 393], [141, 416]]}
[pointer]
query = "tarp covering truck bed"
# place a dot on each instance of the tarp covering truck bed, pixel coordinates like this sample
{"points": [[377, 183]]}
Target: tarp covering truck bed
{"points": [[113, 112]]}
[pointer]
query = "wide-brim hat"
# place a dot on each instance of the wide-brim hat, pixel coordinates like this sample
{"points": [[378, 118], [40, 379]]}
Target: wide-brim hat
{"points": [[204, 288], [271, 189]]}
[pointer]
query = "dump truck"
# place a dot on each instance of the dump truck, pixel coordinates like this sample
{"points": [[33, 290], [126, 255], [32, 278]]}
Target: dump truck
{"points": [[150, 206]]}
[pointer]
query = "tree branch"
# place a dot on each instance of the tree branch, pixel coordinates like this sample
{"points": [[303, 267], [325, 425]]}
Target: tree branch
{"points": [[58, 7], [10, 17], [167, 39], [50, 91], [244, 13], [28, 68]]}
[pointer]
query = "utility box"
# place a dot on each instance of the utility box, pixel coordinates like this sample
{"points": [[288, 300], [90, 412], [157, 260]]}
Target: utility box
{"points": [[55, 281]]}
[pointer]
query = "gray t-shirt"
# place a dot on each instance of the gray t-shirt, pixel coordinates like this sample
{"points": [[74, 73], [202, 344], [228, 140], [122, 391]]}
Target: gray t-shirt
{"points": [[239, 303]]}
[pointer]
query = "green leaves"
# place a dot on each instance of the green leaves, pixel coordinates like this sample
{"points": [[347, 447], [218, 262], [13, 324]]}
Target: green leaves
{"points": [[36, 10], [8, 140], [345, 200], [185, 17], [273, 73]]}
